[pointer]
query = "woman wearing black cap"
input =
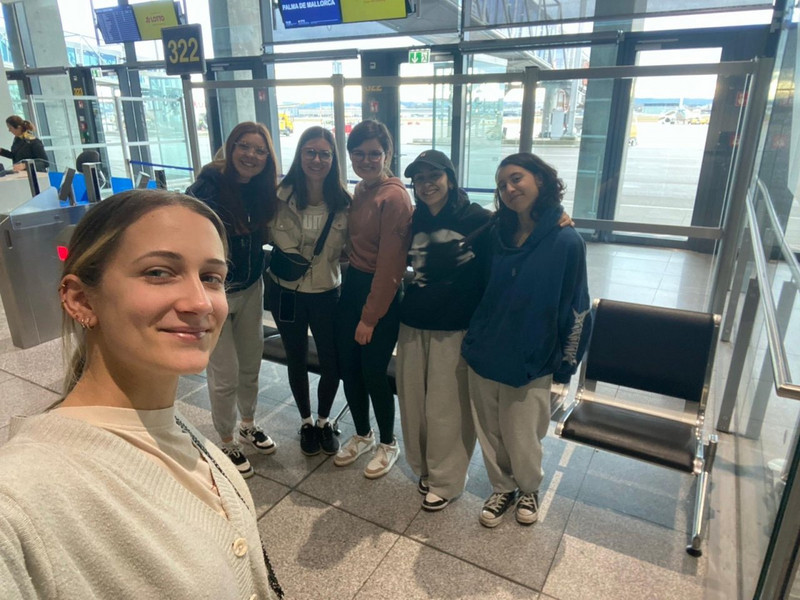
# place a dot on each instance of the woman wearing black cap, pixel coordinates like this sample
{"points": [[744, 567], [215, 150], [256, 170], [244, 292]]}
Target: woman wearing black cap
{"points": [[446, 252]]}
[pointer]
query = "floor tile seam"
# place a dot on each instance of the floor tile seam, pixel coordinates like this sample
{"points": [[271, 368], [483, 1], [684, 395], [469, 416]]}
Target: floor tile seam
{"points": [[638, 518], [39, 385], [737, 509], [377, 566], [473, 564], [566, 523]]}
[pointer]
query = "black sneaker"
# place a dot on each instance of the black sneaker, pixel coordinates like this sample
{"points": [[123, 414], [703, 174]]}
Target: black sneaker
{"points": [[495, 507], [243, 465], [256, 437], [528, 508], [327, 439], [309, 442], [432, 502], [422, 486]]}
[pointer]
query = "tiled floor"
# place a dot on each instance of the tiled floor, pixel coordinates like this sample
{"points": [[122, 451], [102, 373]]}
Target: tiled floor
{"points": [[609, 527]]}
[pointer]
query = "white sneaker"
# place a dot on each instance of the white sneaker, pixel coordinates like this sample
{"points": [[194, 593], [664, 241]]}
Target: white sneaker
{"points": [[355, 447], [383, 460]]}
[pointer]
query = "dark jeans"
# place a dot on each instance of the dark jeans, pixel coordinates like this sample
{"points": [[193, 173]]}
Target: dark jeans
{"points": [[317, 311], [363, 368]]}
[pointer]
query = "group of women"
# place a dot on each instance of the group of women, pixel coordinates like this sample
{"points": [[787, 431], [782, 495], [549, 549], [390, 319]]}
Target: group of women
{"points": [[496, 308], [159, 284]]}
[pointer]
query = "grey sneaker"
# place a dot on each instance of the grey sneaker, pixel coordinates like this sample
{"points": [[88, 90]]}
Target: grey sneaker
{"points": [[353, 448], [256, 437], [495, 507], [528, 508], [234, 452]]}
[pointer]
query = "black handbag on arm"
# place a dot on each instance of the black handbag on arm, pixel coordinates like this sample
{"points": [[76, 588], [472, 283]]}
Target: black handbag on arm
{"points": [[291, 266]]}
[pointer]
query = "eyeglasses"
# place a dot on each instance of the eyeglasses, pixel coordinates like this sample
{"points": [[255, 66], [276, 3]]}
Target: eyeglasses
{"points": [[248, 149], [311, 154], [431, 177], [360, 155]]}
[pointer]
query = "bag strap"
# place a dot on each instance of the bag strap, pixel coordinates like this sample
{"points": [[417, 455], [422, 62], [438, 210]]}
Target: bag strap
{"points": [[324, 235]]}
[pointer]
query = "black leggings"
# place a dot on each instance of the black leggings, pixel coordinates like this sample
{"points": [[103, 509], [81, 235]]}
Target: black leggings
{"points": [[317, 311], [363, 368]]}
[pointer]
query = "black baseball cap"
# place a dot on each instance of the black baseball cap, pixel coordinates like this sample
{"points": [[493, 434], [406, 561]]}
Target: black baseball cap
{"points": [[433, 158]]}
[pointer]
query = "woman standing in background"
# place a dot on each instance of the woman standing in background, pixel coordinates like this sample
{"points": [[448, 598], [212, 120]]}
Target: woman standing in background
{"points": [[25, 145]]}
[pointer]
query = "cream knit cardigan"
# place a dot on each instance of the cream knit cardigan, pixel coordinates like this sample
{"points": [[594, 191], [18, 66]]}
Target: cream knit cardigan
{"points": [[84, 514]]}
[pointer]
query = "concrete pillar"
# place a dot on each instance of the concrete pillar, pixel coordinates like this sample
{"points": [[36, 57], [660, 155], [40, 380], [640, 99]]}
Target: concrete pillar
{"points": [[6, 107], [236, 31]]}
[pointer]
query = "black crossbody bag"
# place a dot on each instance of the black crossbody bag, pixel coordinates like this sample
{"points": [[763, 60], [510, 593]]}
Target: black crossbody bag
{"points": [[291, 266]]}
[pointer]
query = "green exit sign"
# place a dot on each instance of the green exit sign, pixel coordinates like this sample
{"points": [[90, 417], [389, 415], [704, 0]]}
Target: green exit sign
{"points": [[419, 56]]}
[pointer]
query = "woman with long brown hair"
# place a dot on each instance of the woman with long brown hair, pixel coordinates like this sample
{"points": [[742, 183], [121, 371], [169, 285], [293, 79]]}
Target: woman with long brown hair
{"points": [[240, 188]]}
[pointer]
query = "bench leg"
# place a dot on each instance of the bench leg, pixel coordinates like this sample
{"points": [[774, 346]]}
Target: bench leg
{"points": [[335, 423], [700, 500]]}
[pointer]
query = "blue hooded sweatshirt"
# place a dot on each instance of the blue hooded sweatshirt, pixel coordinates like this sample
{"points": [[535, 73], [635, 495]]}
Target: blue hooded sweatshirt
{"points": [[535, 316]]}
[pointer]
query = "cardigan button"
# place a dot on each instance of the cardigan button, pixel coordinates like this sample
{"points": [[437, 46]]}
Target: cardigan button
{"points": [[240, 547]]}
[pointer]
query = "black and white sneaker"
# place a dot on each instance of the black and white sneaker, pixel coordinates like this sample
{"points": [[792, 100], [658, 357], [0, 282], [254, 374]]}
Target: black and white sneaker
{"points": [[528, 508], [422, 486], [432, 502], [327, 439], [234, 452], [309, 442], [255, 436], [495, 507]]}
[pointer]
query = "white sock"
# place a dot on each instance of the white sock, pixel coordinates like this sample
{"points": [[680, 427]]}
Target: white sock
{"points": [[308, 421], [322, 421]]}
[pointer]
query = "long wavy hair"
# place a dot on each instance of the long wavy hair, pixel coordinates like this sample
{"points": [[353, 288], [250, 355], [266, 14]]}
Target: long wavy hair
{"points": [[93, 244], [266, 181], [551, 191], [334, 191]]}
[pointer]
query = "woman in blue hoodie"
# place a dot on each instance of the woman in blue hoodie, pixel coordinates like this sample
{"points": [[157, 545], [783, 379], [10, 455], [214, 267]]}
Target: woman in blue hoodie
{"points": [[530, 328]]}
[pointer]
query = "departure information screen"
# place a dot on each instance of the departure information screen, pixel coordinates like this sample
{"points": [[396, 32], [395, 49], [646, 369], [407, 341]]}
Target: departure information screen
{"points": [[308, 13], [118, 24]]}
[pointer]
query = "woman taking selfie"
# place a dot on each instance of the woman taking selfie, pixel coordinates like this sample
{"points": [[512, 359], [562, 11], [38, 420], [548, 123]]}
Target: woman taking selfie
{"points": [[308, 235], [111, 494], [530, 328], [369, 316], [240, 188]]}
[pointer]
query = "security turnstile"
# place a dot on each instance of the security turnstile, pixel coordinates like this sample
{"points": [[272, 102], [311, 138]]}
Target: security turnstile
{"points": [[30, 267]]}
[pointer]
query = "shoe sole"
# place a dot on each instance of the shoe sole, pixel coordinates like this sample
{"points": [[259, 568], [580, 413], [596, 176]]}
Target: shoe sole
{"points": [[350, 461], [310, 453], [490, 524], [378, 474], [435, 507], [333, 453], [247, 474], [527, 520], [259, 449]]}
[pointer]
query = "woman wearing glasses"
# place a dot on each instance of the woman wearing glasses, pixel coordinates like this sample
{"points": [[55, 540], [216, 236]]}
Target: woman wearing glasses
{"points": [[369, 316], [240, 188], [311, 214]]}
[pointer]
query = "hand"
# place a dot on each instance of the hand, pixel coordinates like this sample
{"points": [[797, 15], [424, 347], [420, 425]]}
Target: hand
{"points": [[19, 167], [566, 220], [364, 333]]}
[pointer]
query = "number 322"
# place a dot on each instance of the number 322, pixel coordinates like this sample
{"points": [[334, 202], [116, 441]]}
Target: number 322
{"points": [[179, 50]]}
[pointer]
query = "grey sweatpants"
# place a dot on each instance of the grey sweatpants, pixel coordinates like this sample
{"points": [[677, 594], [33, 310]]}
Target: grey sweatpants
{"points": [[435, 413], [511, 424], [235, 362]]}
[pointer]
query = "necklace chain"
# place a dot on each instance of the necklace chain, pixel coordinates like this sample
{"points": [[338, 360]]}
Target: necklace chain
{"points": [[273, 579]]}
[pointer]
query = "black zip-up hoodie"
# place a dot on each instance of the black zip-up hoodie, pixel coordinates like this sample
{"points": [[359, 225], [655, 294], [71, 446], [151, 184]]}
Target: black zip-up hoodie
{"points": [[447, 253], [246, 251]]}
